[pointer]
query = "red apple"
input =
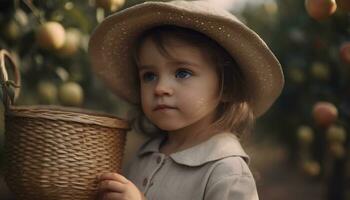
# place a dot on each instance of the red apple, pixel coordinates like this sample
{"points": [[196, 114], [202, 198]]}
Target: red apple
{"points": [[343, 4], [320, 9], [345, 52], [324, 113]]}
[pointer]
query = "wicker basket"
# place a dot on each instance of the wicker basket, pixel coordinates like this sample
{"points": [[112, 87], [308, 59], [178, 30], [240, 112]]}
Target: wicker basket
{"points": [[55, 153]]}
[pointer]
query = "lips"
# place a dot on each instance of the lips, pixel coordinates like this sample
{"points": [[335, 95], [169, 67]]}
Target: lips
{"points": [[163, 107]]}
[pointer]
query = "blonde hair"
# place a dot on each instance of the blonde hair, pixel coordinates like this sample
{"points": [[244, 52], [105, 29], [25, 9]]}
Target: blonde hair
{"points": [[234, 112]]}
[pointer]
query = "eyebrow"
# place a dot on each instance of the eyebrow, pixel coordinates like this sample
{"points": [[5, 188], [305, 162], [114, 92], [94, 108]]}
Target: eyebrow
{"points": [[173, 63], [140, 67]]}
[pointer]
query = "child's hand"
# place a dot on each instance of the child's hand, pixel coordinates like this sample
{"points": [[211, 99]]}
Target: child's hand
{"points": [[113, 186]]}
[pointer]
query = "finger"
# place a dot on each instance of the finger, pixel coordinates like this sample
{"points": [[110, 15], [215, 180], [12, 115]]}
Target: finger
{"points": [[113, 176], [112, 196], [110, 185]]}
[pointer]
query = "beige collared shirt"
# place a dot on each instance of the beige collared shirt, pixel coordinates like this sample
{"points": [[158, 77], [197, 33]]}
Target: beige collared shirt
{"points": [[213, 170]]}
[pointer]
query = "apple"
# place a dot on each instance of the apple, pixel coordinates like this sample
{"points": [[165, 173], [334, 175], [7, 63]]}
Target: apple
{"points": [[324, 113], [47, 92], [320, 9], [271, 7], [12, 30], [71, 94], [336, 134], [311, 168], [345, 52], [111, 5], [21, 17], [343, 4], [51, 36], [320, 71], [305, 134], [71, 43]]}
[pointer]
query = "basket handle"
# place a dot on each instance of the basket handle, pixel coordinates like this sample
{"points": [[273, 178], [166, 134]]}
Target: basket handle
{"points": [[9, 95]]}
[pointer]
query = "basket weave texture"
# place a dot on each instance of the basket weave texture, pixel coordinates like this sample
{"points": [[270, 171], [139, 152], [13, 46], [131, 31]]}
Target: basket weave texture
{"points": [[55, 153]]}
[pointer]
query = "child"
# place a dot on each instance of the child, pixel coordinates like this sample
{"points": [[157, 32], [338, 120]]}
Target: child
{"points": [[200, 77]]}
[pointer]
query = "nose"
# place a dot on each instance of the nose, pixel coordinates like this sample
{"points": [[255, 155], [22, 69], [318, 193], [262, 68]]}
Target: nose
{"points": [[163, 87]]}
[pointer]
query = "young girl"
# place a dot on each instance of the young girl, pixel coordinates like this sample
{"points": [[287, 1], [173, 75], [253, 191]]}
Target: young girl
{"points": [[200, 77]]}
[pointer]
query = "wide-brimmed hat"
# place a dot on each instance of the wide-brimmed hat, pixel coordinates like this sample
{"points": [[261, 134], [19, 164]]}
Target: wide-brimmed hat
{"points": [[112, 43]]}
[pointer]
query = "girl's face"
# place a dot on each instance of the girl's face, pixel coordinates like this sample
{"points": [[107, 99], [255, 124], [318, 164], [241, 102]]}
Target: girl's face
{"points": [[177, 92]]}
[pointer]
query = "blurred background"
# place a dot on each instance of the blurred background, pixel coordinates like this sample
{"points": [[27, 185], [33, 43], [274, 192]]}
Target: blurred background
{"points": [[299, 149]]}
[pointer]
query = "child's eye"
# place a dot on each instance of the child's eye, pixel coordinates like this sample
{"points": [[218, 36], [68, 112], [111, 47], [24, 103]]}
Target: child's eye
{"points": [[183, 73], [148, 76]]}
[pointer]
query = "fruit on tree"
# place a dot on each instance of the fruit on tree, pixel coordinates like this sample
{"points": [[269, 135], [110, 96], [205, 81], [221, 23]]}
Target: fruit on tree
{"points": [[336, 134], [324, 113], [71, 94], [320, 71], [71, 43], [12, 30], [320, 9], [111, 5], [305, 134], [50, 36], [271, 7], [47, 92], [311, 168]]}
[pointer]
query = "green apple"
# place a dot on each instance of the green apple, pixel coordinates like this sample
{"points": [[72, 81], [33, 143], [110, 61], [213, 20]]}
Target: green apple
{"points": [[111, 5], [47, 92], [71, 94], [51, 36]]}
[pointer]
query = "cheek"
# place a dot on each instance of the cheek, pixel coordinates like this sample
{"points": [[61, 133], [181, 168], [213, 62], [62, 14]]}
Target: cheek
{"points": [[204, 94], [203, 98], [145, 98], [200, 100]]}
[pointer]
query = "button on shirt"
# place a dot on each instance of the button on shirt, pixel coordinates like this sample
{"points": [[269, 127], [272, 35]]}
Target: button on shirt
{"points": [[213, 170]]}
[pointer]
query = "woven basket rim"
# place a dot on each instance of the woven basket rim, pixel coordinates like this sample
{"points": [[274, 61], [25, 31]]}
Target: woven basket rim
{"points": [[74, 114]]}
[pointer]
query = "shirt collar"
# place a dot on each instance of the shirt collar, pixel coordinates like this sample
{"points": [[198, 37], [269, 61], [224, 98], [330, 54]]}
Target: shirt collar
{"points": [[219, 146]]}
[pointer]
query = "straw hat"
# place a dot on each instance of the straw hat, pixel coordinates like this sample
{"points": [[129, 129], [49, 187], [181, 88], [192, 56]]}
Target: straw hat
{"points": [[112, 42]]}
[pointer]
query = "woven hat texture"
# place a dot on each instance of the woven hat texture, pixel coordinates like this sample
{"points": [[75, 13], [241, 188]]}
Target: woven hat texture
{"points": [[112, 42]]}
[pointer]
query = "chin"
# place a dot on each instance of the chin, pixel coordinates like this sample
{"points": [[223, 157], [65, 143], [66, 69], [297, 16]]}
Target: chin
{"points": [[168, 126]]}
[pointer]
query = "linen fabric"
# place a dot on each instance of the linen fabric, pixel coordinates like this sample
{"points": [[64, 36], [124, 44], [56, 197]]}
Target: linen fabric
{"points": [[216, 169]]}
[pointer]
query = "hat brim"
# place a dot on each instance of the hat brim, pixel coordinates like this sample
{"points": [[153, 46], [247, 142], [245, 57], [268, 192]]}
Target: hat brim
{"points": [[112, 43]]}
